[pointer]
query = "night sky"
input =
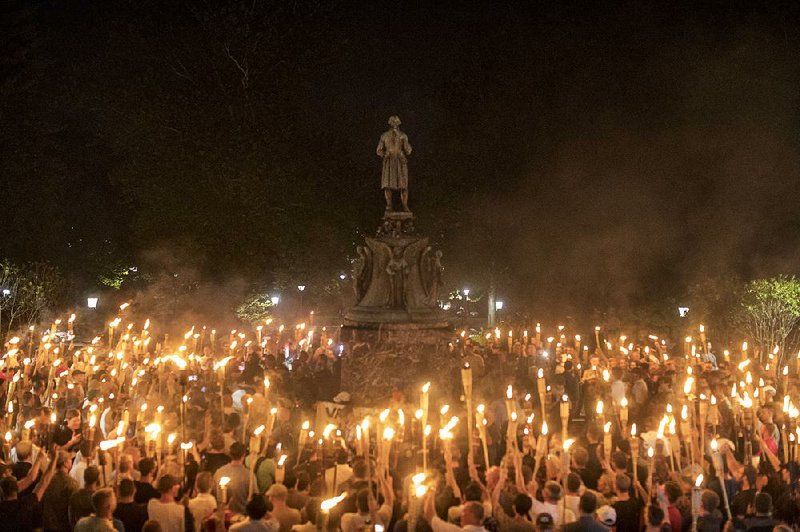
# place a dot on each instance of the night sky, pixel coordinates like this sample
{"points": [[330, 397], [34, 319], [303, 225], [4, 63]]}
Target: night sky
{"points": [[590, 156]]}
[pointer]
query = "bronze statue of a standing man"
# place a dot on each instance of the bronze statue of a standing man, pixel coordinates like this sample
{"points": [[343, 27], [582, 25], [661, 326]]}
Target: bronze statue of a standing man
{"points": [[394, 148]]}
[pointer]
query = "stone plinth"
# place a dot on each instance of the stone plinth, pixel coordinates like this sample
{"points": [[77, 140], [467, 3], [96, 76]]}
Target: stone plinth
{"points": [[397, 279], [396, 333], [379, 360]]}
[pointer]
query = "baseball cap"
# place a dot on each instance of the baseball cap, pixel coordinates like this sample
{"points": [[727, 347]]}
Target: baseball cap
{"points": [[607, 515], [544, 519]]}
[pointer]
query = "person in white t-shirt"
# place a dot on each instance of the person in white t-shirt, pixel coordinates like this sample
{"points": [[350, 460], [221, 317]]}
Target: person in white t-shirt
{"points": [[574, 491], [80, 463], [471, 516], [340, 473], [165, 510], [204, 503], [553, 504]]}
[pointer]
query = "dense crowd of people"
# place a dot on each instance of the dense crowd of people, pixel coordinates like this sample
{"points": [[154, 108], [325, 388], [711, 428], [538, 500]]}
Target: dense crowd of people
{"points": [[622, 434]]}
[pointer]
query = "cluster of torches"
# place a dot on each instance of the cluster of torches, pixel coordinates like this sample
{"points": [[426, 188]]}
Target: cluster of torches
{"points": [[124, 343], [529, 343], [695, 412]]}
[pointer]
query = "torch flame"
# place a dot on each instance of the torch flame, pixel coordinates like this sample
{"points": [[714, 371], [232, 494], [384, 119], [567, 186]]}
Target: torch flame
{"points": [[328, 504], [110, 444]]}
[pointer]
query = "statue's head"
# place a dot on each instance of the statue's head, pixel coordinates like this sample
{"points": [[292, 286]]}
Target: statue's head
{"points": [[394, 120]]}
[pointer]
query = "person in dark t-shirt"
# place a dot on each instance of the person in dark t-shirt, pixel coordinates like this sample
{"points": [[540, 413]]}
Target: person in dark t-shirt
{"points": [[132, 515], [80, 504], [710, 519], [18, 513], [214, 457], [23, 512], [629, 509], [144, 487], [747, 493], [69, 435]]}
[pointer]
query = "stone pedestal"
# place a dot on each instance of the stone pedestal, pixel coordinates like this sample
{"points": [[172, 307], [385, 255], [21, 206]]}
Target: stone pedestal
{"points": [[396, 333], [378, 361], [398, 277]]}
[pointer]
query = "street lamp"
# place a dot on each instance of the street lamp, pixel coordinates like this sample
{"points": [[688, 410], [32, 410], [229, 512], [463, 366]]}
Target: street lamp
{"points": [[342, 276], [6, 291], [91, 302], [302, 289], [275, 300], [498, 305], [466, 316]]}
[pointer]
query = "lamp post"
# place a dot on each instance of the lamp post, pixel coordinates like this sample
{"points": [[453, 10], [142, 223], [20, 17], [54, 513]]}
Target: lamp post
{"points": [[492, 297], [301, 288], [465, 291], [498, 306]]}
